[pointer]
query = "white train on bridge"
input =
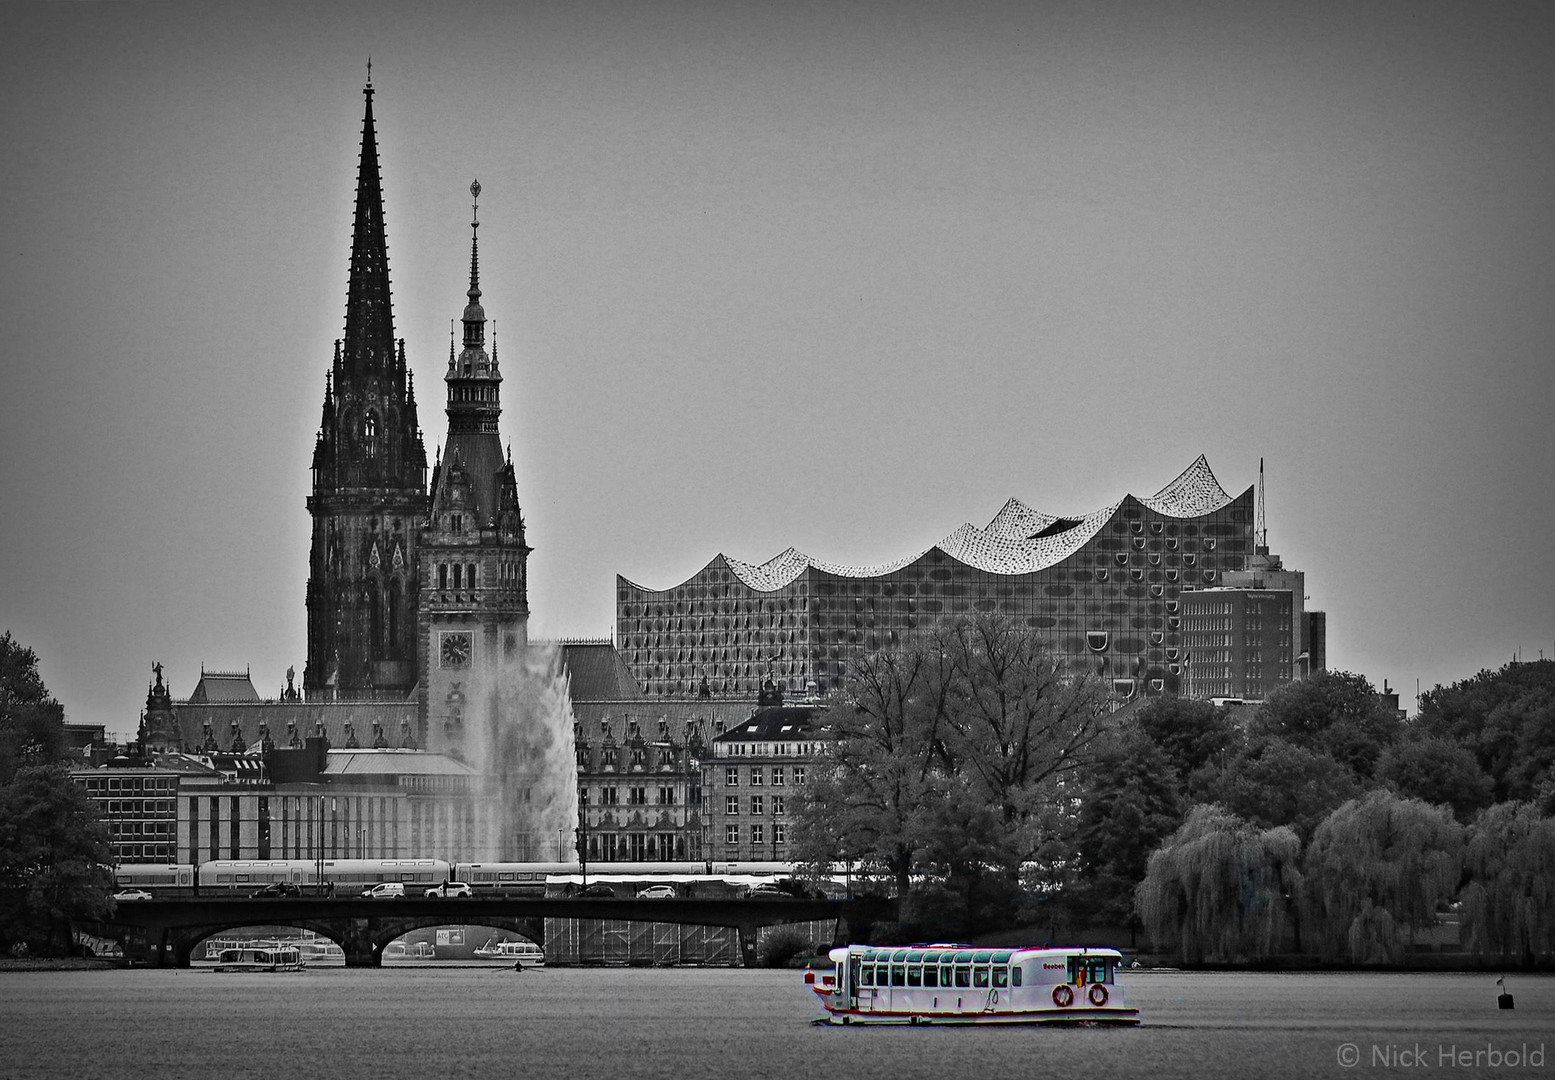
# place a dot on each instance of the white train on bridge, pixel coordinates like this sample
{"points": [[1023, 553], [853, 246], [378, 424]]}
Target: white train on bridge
{"points": [[351, 876]]}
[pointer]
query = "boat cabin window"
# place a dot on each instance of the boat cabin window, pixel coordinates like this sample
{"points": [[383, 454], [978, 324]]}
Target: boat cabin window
{"points": [[980, 976], [1015, 976], [1001, 976], [963, 975], [1090, 969]]}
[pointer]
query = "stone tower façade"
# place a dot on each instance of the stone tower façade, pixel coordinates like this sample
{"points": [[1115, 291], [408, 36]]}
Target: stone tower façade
{"points": [[471, 555], [369, 483]]}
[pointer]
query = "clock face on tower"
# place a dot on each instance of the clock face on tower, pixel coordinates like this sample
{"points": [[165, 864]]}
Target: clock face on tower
{"points": [[454, 649]]}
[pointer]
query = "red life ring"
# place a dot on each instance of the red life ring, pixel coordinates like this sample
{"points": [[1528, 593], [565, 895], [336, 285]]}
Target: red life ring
{"points": [[1063, 995], [1098, 995]]}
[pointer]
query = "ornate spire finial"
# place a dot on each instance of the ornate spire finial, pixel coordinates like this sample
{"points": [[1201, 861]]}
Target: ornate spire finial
{"points": [[369, 70], [475, 277], [494, 343]]}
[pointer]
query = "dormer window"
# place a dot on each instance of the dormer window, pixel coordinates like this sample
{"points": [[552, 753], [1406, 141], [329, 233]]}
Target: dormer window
{"points": [[457, 524]]}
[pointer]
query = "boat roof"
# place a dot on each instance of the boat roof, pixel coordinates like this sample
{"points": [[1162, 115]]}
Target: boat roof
{"points": [[975, 954]]}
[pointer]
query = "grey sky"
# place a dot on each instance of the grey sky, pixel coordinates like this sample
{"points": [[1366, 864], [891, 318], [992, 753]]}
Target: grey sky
{"points": [[836, 275]]}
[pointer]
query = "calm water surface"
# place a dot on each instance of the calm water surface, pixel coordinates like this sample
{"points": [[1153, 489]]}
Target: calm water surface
{"points": [[441, 1021]]}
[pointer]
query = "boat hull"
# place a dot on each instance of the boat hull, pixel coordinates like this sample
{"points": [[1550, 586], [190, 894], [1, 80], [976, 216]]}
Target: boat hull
{"points": [[1055, 1017]]}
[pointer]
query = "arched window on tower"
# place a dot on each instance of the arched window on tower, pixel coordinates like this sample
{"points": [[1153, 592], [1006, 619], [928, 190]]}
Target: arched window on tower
{"points": [[442, 575], [458, 575], [375, 621], [370, 434], [394, 619]]}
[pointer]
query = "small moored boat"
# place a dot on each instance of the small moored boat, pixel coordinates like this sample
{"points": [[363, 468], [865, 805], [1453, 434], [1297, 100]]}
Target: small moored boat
{"points": [[521, 953], [259, 958], [958, 984]]}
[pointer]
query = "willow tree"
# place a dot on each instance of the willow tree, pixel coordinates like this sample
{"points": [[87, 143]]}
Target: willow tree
{"points": [[1509, 900], [1378, 868], [1220, 888]]}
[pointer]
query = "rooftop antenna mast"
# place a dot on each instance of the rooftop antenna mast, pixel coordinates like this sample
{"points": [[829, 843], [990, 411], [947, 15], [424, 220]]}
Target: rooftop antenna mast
{"points": [[1261, 529]]}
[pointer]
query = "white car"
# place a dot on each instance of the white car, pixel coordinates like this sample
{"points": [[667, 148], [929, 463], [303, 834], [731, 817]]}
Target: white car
{"points": [[450, 889], [657, 892], [131, 894], [385, 890]]}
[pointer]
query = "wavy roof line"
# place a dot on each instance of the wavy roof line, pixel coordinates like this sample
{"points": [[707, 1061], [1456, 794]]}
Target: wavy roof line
{"points": [[1019, 539]]}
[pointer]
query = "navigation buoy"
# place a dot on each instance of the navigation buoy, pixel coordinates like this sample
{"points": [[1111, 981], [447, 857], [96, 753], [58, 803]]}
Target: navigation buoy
{"points": [[1503, 999]]}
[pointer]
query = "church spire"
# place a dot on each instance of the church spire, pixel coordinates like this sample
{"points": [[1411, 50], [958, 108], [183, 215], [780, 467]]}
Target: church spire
{"points": [[369, 343]]}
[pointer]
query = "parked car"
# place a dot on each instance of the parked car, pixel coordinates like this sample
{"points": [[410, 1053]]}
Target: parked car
{"points": [[765, 890], [657, 892], [385, 890], [450, 889], [132, 894], [597, 889], [276, 889]]}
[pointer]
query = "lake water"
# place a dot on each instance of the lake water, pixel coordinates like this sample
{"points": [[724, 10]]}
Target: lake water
{"points": [[447, 1020]]}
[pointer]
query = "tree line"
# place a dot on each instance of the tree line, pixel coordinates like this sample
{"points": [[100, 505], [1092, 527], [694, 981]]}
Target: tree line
{"points": [[55, 854], [989, 787]]}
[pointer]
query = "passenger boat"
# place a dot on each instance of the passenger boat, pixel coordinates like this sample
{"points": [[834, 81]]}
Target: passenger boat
{"points": [[259, 958], [958, 984], [522, 953]]}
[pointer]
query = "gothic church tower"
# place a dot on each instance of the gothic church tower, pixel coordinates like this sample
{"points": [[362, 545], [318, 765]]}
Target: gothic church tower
{"points": [[369, 483], [473, 560]]}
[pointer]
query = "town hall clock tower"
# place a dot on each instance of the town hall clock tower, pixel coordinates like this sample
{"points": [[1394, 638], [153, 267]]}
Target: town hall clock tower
{"points": [[472, 558]]}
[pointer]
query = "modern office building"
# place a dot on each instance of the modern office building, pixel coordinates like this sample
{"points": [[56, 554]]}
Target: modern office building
{"points": [[1105, 588]]}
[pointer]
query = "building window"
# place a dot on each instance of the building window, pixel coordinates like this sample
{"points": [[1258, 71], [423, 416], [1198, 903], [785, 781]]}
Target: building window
{"points": [[442, 575], [756, 776], [798, 775], [731, 777], [731, 804], [732, 836], [609, 796], [756, 805], [777, 776], [779, 807], [666, 796], [637, 796], [756, 835], [779, 835]]}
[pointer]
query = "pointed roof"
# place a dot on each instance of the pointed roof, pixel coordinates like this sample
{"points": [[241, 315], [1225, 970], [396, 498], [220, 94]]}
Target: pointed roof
{"points": [[369, 315]]}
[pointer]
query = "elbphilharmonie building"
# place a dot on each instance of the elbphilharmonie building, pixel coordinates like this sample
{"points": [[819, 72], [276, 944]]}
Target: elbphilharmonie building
{"points": [[1105, 588]]}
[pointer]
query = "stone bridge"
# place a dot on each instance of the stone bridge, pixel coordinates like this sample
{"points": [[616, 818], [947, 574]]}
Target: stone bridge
{"points": [[164, 932]]}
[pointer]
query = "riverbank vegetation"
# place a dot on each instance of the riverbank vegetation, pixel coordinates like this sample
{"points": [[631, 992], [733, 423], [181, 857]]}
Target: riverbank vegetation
{"points": [[54, 849], [986, 786]]}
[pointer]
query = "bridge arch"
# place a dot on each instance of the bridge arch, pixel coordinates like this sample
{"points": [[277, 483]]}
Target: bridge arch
{"points": [[362, 940]]}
